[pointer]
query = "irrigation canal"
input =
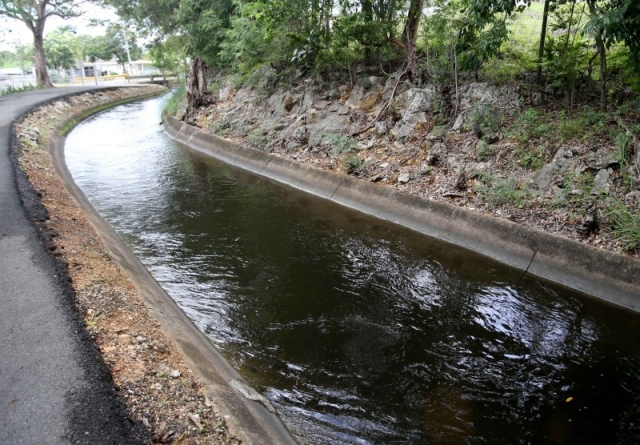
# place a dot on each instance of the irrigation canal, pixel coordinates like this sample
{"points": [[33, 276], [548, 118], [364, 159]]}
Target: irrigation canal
{"points": [[355, 330]]}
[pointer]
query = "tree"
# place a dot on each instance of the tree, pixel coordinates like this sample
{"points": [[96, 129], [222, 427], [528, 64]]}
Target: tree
{"points": [[169, 55], [112, 46], [34, 14], [410, 33], [62, 48], [484, 29]]}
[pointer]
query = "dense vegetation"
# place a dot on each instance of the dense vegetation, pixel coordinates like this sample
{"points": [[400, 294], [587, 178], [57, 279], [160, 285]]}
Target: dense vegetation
{"points": [[567, 44]]}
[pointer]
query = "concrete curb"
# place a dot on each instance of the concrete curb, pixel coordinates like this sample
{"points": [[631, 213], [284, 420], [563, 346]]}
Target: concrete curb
{"points": [[601, 274], [249, 415]]}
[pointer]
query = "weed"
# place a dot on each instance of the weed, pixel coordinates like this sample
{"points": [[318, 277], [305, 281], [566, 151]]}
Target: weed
{"points": [[625, 225], [532, 159], [502, 191], [483, 150], [356, 165], [366, 83], [340, 143], [530, 125], [21, 89], [177, 97], [484, 117], [257, 138], [623, 142]]}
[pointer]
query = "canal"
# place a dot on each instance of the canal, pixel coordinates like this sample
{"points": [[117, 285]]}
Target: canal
{"points": [[358, 331]]}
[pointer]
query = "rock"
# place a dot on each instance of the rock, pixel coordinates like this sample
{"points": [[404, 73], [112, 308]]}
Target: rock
{"points": [[331, 124], [384, 165], [281, 125], [553, 174], [601, 182], [433, 159], [174, 374], [632, 198], [382, 128], [331, 95], [457, 125], [300, 135], [425, 169], [454, 164], [321, 104], [505, 98], [289, 103], [402, 130], [195, 419], [355, 97], [403, 178], [590, 223], [343, 111], [419, 102], [603, 158], [140, 339]]}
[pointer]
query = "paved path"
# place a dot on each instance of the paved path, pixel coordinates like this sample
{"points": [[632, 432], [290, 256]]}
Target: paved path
{"points": [[54, 387]]}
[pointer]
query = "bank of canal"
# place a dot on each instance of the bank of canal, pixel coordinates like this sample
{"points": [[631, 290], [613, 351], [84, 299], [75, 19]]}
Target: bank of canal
{"points": [[355, 330]]}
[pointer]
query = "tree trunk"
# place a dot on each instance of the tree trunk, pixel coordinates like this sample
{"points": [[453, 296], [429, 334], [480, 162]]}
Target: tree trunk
{"points": [[196, 87], [603, 73], [367, 13], [410, 34], [543, 36], [602, 51], [42, 75]]}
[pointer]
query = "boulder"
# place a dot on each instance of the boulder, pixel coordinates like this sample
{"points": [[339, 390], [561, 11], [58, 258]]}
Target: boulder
{"points": [[603, 158], [601, 182]]}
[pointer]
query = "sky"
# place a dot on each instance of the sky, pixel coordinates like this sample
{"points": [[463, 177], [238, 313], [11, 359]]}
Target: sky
{"points": [[14, 32]]}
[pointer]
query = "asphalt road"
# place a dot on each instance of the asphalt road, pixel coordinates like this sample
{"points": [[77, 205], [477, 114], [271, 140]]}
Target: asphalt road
{"points": [[54, 386]]}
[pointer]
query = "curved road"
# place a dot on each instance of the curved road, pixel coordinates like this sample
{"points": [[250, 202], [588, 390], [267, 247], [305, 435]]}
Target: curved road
{"points": [[54, 386]]}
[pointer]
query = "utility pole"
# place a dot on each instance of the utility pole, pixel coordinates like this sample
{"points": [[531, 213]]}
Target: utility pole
{"points": [[126, 47]]}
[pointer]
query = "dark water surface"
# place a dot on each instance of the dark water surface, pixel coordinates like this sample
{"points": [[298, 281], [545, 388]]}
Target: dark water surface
{"points": [[357, 331]]}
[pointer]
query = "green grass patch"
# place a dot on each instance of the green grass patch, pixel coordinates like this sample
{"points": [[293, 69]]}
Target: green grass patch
{"points": [[174, 102], [21, 89], [625, 224]]}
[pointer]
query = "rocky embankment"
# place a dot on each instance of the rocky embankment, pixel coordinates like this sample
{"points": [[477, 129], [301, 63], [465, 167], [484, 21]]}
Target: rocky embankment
{"points": [[477, 147]]}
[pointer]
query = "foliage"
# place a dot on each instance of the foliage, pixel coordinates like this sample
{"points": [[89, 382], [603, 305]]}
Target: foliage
{"points": [[340, 144], [530, 125], [330, 39], [169, 55], [501, 191], [178, 98], [34, 13], [62, 48], [112, 45], [20, 89], [20, 57], [625, 224]]}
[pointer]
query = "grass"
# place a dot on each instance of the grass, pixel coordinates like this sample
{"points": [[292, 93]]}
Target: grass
{"points": [[501, 191], [625, 225], [175, 100], [21, 89]]}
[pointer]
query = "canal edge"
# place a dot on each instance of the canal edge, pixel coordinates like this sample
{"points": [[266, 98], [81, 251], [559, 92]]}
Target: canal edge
{"points": [[251, 420], [604, 275]]}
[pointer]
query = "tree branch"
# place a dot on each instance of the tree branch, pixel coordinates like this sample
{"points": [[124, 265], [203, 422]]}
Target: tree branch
{"points": [[384, 108]]}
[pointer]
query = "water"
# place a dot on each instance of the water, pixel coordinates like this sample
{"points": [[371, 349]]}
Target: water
{"points": [[357, 331]]}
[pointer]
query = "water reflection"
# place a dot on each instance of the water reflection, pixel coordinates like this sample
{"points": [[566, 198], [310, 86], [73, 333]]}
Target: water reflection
{"points": [[356, 331]]}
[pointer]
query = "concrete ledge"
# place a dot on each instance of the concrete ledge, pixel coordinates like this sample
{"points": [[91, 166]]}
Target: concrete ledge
{"points": [[250, 416], [607, 276]]}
